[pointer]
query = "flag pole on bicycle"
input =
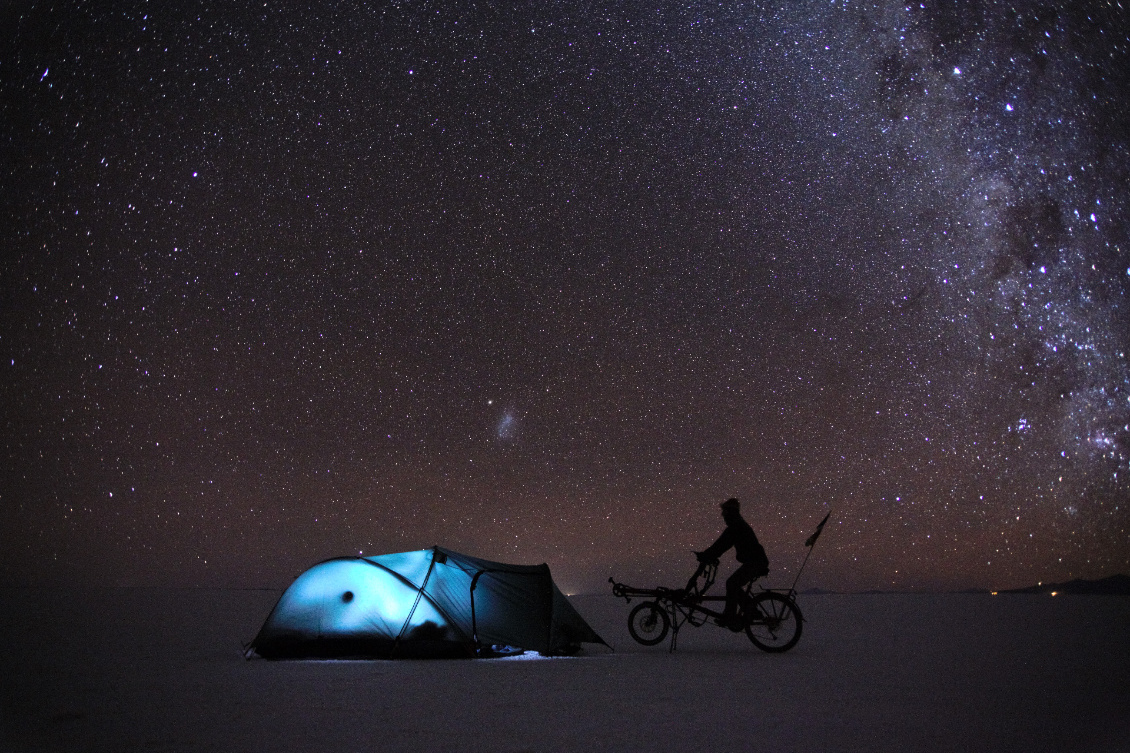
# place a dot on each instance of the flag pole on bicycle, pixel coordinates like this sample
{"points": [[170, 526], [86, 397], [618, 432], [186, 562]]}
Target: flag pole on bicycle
{"points": [[809, 542]]}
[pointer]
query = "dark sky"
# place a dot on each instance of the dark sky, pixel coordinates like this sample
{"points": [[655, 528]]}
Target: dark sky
{"points": [[546, 282]]}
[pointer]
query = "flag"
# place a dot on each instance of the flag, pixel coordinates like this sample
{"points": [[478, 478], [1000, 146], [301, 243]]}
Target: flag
{"points": [[812, 539]]}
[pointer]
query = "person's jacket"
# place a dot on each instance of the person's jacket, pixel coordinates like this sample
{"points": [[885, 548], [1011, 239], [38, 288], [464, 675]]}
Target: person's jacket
{"points": [[739, 535]]}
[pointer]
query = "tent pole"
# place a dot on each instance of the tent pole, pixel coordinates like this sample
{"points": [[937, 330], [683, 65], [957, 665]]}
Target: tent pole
{"points": [[474, 622], [549, 597], [412, 611]]}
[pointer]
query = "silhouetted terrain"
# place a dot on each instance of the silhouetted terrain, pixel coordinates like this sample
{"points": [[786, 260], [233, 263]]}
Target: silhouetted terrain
{"points": [[1114, 585]]}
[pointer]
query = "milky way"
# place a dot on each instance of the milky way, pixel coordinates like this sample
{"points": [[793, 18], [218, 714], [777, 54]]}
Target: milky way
{"points": [[547, 284]]}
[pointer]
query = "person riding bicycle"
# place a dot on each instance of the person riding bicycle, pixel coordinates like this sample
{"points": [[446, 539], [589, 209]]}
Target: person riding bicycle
{"points": [[748, 551]]}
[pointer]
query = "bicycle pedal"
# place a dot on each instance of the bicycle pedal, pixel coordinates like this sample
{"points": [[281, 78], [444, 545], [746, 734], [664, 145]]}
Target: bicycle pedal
{"points": [[734, 625]]}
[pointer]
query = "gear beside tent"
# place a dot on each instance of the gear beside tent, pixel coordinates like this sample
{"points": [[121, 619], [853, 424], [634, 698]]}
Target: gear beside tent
{"points": [[428, 603]]}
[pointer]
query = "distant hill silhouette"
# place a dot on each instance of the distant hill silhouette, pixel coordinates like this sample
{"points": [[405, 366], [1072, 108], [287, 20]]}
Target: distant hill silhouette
{"points": [[1114, 585]]}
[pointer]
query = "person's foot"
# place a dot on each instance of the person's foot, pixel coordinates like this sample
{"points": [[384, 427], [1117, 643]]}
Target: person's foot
{"points": [[733, 624]]}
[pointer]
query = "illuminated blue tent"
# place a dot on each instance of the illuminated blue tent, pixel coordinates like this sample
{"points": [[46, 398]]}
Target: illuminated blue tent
{"points": [[428, 603]]}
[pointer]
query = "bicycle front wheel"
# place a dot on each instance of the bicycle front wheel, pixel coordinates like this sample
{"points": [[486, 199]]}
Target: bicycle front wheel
{"points": [[648, 623], [776, 623]]}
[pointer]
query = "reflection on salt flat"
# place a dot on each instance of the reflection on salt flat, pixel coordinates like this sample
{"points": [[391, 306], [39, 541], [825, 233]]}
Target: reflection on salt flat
{"points": [[531, 656]]}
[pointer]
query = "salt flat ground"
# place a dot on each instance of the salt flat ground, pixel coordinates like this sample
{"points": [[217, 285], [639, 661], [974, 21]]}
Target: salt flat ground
{"points": [[162, 670]]}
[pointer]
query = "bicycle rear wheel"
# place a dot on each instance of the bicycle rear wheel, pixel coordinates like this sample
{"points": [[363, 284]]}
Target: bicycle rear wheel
{"points": [[648, 623], [776, 623]]}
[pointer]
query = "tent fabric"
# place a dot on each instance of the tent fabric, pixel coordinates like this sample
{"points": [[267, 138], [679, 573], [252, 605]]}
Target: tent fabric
{"points": [[431, 602]]}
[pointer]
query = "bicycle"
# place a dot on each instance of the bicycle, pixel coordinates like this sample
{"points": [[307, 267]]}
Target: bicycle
{"points": [[770, 617]]}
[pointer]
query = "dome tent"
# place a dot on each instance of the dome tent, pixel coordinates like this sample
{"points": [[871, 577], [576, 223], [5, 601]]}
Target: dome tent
{"points": [[428, 603]]}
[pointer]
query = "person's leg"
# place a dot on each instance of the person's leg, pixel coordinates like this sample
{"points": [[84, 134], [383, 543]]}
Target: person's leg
{"points": [[735, 584]]}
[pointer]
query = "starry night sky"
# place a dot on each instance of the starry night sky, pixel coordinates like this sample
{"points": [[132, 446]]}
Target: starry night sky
{"points": [[546, 282]]}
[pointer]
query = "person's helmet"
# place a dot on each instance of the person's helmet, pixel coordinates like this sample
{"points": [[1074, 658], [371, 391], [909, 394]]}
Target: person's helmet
{"points": [[731, 505]]}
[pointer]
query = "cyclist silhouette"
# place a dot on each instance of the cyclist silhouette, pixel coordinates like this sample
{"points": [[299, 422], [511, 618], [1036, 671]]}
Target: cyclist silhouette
{"points": [[748, 551]]}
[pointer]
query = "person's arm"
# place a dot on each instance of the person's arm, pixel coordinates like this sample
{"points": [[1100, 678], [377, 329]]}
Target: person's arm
{"points": [[719, 547]]}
